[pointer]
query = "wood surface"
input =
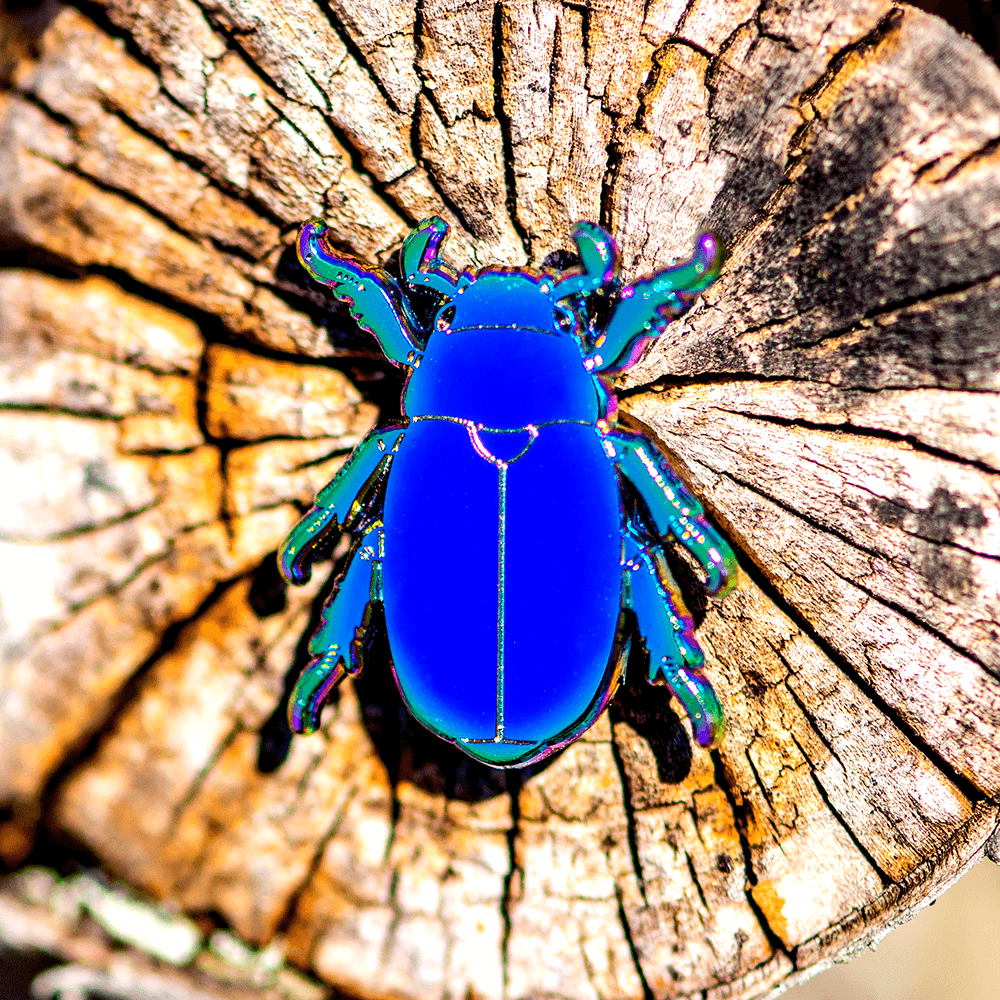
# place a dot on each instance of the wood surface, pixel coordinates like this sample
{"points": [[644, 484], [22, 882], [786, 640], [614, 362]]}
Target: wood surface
{"points": [[173, 391]]}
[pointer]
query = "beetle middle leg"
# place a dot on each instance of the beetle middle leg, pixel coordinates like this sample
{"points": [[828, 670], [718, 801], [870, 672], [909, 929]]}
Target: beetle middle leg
{"points": [[671, 509], [336, 646], [342, 504], [667, 633]]}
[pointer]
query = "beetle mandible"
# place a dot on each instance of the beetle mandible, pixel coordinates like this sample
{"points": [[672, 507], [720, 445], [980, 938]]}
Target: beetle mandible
{"points": [[507, 526]]}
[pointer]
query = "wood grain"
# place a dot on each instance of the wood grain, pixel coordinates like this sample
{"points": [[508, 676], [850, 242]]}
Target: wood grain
{"points": [[173, 391]]}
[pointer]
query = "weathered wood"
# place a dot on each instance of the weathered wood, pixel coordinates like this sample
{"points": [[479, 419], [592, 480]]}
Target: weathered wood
{"points": [[833, 400]]}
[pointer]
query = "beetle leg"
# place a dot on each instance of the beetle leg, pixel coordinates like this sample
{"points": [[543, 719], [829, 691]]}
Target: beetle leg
{"points": [[336, 645], [374, 297], [667, 633], [341, 504], [644, 309], [671, 507]]}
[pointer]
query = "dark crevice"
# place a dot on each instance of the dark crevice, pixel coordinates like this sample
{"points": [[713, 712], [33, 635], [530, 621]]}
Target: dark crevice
{"points": [[688, 44], [201, 415], [393, 927], [802, 516], [740, 813], [924, 626], [449, 203], [128, 196], [885, 309], [418, 112], [199, 779], [942, 542], [984, 151], [771, 592], [697, 882], [820, 735], [795, 148], [209, 325], [847, 429], [340, 134], [784, 40], [765, 791], [64, 411], [234, 40], [98, 13], [647, 991], [674, 381], [553, 68], [630, 825], [204, 170], [78, 754], [70, 533], [288, 914], [355, 53], [234, 45], [888, 25], [506, 132], [72, 610], [514, 783], [872, 861], [228, 444], [378, 375], [912, 618], [17, 253], [681, 21], [615, 157], [615, 150], [199, 166], [649, 84]]}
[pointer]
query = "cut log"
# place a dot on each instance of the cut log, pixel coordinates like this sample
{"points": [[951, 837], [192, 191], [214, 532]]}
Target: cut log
{"points": [[173, 392]]}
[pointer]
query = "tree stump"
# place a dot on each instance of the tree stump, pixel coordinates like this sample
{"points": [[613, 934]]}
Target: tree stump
{"points": [[174, 390]]}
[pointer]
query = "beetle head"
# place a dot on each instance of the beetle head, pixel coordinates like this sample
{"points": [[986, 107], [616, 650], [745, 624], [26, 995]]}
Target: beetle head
{"points": [[510, 297], [505, 299]]}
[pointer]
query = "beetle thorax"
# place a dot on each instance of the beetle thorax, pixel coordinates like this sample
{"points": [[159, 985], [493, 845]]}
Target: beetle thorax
{"points": [[503, 354], [499, 298]]}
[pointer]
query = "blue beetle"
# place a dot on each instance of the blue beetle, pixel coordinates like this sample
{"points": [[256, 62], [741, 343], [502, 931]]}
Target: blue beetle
{"points": [[507, 526]]}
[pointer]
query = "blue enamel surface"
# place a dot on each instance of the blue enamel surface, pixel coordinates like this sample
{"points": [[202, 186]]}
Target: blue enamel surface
{"points": [[533, 377], [555, 617], [495, 533]]}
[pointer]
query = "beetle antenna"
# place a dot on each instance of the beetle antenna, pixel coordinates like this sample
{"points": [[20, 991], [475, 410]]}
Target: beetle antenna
{"points": [[422, 264], [599, 259]]}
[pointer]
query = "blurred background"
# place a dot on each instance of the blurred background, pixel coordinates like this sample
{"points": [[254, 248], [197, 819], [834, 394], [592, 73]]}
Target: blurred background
{"points": [[950, 950]]}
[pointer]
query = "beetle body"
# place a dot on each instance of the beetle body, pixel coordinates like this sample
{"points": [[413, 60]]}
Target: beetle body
{"points": [[506, 525]]}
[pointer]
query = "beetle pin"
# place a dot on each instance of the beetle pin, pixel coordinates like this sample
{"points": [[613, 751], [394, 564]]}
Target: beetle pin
{"points": [[506, 525]]}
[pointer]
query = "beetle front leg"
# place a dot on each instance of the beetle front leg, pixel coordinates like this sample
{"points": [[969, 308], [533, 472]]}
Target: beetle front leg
{"points": [[672, 509], [336, 646], [667, 632], [341, 504]]}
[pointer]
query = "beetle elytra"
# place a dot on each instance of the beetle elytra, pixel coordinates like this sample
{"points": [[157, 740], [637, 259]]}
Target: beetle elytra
{"points": [[507, 526]]}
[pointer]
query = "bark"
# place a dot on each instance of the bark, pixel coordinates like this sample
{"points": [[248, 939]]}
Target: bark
{"points": [[174, 390]]}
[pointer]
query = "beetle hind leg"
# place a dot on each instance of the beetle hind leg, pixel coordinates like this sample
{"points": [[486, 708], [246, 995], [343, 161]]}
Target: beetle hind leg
{"points": [[336, 646], [667, 633]]}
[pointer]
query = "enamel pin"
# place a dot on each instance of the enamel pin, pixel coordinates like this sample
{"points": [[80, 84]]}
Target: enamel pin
{"points": [[509, 529]]}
